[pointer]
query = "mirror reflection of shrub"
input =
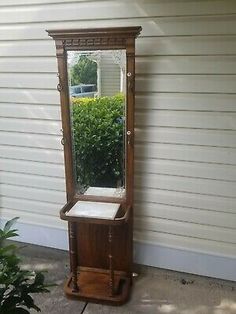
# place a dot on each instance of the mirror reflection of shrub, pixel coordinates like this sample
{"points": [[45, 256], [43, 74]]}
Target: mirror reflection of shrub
{"points": [[98, 128]]}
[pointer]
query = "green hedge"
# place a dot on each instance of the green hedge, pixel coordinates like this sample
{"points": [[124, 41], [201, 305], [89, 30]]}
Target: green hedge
{"points": [[98, 131]]}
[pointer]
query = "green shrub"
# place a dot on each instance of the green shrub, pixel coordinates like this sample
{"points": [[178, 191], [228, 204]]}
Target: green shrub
{"points": [[98, 129], [16, 284]]}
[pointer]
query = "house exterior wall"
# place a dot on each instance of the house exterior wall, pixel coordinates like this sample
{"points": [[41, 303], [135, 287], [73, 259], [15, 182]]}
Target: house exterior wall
{"points": [[185, 177], [110, 76]]}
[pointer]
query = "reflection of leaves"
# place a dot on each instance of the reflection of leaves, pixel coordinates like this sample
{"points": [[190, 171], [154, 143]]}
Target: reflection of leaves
{"points": [[84, 71], [98, 127]]}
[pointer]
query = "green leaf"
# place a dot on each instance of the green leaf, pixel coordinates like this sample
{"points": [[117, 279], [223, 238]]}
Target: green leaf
{"points": [[15, 283], [9, 234], [39, 279], [29, 302], [18, 310], [7, 249], [9, 224], [10, 303]]}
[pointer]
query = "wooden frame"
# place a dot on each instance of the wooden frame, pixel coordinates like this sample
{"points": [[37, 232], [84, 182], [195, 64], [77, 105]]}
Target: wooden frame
{"points": [[86, 234]]}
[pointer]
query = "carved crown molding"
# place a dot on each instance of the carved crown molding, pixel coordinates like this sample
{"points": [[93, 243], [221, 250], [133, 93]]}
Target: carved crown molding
{"points": [[93, 42], [96, 38]]}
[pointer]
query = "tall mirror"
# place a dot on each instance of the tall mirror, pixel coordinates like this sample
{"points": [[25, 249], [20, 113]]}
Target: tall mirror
{"points": [[97, 95], [96, 70]]}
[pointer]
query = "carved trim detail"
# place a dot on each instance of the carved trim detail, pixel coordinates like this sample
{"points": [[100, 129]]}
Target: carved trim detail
{"points": [[93, 42], [73, 256]]}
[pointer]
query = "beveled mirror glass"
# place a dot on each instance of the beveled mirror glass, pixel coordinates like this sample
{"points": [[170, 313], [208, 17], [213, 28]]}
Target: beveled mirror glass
{"points": [[97, 94]]}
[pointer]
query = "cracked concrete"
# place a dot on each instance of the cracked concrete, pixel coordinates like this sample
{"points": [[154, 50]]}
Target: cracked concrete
{"points": [[155, 291]]}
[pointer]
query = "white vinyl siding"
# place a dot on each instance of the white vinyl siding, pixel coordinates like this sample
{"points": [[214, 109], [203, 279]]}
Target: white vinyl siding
{"points": [[185, 149], [110, 76]]}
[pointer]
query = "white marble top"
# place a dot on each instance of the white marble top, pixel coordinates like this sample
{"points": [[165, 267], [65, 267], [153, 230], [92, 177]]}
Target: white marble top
{"points": [[109, 192], [97, 210]]}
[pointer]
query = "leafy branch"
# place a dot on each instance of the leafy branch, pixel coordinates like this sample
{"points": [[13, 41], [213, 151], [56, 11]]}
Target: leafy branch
{"points": [[16, 284]]}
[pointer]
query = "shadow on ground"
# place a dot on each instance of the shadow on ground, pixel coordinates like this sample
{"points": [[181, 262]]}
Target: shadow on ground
{"points": [[155, 291]]}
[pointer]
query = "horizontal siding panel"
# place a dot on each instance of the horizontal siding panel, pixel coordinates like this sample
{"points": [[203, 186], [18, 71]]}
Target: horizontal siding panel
{"points": [[185, 169], [186, 83], [186, 153], [182, 184], [35, 2], [30, 65], [204, 217], [174, 101], [187, 229], [73, 11], [30, 126], [144, 65], [161, 8], [183, 136], [149, 83], [112, 9], [186, 65], [66, 11], [34, 181], [173, 198], [51, 209], [36, 48], [31, 140], [7, 213], [202, 120], [189, 102], [29, 96], [36, 194], [201, 45], [155, 26], [18, 80], [33, 218], [42, 112], [32, 167], [32, 154], [182, 242], [182, 26], [169, 46], [37, 30]]}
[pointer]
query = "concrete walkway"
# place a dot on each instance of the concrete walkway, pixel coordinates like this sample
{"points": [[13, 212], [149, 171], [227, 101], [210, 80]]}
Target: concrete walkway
{"points": [[155, 291]]}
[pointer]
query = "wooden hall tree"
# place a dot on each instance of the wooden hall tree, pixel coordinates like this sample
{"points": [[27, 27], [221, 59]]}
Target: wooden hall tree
{"points": [[99, 212]]}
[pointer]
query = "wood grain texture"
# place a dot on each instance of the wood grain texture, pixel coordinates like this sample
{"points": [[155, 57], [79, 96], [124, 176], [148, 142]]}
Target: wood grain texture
{"points": [[93, 242]]}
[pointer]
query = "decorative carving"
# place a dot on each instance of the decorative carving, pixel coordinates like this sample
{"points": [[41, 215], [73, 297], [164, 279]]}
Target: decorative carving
{"points": [[60, 49], [112, 279], [119, 57], [73, 255], [93, 42]]}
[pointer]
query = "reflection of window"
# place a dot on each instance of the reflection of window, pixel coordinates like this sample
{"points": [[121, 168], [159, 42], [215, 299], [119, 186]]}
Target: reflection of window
{"points": [[77, 90], [89, 88]]}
